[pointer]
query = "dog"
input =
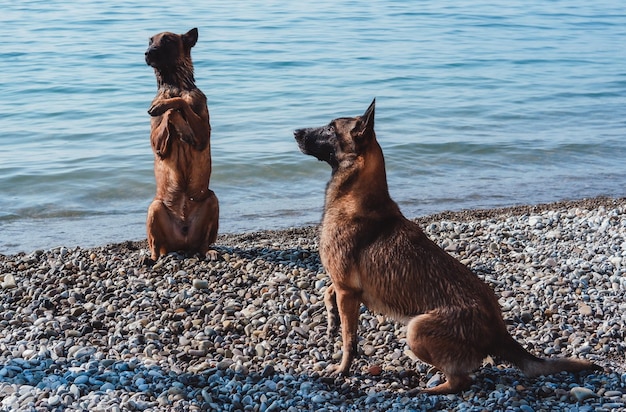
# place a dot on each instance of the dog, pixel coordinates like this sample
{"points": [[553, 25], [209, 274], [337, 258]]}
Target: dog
{"points": [[375, 256], [184, 213]]}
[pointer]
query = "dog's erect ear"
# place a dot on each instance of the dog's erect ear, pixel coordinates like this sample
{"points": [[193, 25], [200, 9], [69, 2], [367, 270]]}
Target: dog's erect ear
{"points": [[368, 116], [365, 127], [190, 38]]}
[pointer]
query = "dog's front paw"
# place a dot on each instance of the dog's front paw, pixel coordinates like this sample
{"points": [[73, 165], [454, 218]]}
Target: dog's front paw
{"points": [[212, 255], [336, 371], [157, 109], [189, 138]]}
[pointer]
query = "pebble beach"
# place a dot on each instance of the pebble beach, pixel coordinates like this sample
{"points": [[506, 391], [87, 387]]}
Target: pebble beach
{"points": [[93, 330]]}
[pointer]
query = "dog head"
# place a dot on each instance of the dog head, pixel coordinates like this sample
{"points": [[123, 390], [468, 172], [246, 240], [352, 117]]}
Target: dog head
{"points": [[340, 141], [168, 50]]}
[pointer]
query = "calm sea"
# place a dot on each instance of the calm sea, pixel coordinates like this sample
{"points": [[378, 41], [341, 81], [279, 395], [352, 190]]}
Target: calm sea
{"points": [[479, 104]]}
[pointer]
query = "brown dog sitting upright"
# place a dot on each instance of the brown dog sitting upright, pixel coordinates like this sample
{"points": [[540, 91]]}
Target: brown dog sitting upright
{"points": [[375, 256], [184, 213]]}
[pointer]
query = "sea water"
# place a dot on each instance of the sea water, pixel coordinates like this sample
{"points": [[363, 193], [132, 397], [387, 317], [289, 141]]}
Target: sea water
{"points": [[478, 104]]}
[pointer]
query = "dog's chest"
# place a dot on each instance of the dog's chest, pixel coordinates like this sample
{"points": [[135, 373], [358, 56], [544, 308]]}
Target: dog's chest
{"points": [[347, 264], [168, 92], [338, 251]]}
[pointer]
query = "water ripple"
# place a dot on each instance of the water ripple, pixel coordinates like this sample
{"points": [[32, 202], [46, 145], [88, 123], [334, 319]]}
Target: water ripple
{"points": [[478, 105]]}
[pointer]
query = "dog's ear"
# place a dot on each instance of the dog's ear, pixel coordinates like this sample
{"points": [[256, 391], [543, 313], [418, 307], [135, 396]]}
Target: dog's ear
{"points": [[365, 126], [190, 38], [368, 116]]}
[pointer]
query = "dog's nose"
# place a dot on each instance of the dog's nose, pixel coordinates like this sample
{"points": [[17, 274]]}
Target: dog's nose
{"points": [[149, 55]]}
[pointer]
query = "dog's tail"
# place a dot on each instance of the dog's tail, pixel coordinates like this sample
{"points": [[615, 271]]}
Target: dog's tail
{"points": [[509, 349]]}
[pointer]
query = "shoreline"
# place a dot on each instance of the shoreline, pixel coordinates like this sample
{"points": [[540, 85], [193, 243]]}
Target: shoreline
{"points": [[90, 329], [462, 214]]}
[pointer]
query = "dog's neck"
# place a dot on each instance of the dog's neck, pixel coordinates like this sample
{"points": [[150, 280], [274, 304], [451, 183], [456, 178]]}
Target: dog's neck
{"points": [[181, 77], [362, 186]]}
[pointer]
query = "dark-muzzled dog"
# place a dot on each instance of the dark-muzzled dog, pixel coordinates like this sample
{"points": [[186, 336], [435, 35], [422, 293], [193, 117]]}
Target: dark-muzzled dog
{"points": [[375, 256], [184, 213]]}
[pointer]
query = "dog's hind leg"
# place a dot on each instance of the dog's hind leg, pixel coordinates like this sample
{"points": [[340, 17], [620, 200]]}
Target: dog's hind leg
{"points": [[439, 340], [213, 215], [159, 227], [207, 227]]}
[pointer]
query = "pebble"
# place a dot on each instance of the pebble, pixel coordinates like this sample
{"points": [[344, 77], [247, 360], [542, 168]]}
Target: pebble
{"points": [[435, 380], [54, 400], [200, 284], [586, 310], [375, 370], [580, 394], [94, 330], [8, 282]]}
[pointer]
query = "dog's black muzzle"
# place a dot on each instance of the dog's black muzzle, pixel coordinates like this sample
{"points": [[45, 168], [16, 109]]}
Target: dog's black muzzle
{"points": [[152, 56], [300, 136], [313, 142], [308, 140]]}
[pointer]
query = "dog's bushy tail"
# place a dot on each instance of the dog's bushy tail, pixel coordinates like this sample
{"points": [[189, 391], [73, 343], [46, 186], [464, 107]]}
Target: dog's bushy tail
{"points": [[509, 349]]}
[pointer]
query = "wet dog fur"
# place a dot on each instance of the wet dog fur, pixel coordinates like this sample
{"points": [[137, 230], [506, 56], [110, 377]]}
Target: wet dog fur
{"points": [[184, 213], [375, 256]]}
